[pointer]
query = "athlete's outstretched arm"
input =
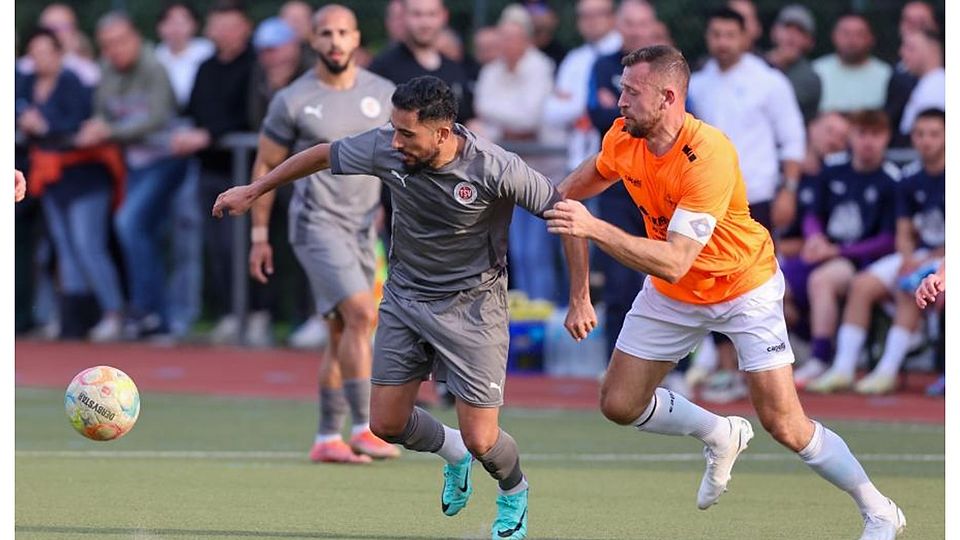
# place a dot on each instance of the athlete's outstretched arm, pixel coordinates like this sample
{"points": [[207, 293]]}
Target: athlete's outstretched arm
{"points": [[585, 181], [238, 200], [669, 260]]}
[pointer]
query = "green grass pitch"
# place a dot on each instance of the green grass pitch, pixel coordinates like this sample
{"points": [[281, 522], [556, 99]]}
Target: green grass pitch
{"points": [[226, 468]]}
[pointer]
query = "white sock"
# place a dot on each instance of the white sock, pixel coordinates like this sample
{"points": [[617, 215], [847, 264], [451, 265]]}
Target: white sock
{"points": [[894, 351], [326, 438], [359, 428], [850, 340], [453, 450], [517, 488], [670, 413], [830, 457]]}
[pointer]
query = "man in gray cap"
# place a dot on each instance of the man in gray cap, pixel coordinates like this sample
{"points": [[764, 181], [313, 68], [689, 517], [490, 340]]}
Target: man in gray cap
{"points": [[793, 35]]}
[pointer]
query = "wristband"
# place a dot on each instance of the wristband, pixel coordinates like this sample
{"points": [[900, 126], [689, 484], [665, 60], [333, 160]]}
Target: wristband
{"points": [[259, 233]]}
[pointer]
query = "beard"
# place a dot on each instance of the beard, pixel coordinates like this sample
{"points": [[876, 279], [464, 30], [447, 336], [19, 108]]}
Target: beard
{"points": [[419, 164], [640, 128], [334, 67]]}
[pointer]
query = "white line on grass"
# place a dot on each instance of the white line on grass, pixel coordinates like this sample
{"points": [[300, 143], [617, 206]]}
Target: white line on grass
{"points": [[581, 457]]}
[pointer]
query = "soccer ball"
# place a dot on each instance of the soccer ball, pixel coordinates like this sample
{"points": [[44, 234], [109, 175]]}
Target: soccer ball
{"points": [[102, 403]]}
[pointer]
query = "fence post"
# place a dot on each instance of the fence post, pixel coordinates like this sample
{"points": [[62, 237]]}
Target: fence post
{"points": [[241, 170]]}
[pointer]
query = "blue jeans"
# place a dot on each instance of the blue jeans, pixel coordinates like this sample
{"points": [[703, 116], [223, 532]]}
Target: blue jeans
{"points": [[140, 225], [536, 259], [77, 211], [185, 284]]}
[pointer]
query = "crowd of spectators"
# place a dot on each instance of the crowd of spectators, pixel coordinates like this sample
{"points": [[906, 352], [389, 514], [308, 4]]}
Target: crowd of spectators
{"points": [[123, 153]]}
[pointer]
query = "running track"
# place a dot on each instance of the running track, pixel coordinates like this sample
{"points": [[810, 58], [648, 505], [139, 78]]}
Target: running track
{"points": [[282, 373]]}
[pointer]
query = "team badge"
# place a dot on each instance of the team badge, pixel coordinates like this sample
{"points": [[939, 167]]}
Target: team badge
{"points": [[465, 193], [701, 227], [370, 107], [870, 195]]}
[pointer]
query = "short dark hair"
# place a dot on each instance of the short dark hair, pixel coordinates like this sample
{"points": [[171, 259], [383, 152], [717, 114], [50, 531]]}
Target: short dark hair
{"points": [[856, 15], [727, 14], [227, 6], [933, 112], [41, 32], [665, 60], [870, 120], [432, 98], [168, 7]]}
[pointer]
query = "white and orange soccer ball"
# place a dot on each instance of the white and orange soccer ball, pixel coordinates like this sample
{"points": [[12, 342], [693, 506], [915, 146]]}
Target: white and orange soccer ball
{"points": [[102, 403]]}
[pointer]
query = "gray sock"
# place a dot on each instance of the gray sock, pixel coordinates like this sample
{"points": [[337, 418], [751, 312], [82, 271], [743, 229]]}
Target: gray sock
{"points": [[503, 462], [333, 409], [423, 433], [357, 392]]}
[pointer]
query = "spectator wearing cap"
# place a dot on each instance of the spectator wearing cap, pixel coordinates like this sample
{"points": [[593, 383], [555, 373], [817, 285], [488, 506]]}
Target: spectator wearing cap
{"points": [[278, 64], [852, 78], [793, 34]]}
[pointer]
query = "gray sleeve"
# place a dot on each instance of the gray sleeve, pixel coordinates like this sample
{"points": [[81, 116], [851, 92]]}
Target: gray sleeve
{"points": [[278, 125], [355, 154], [527, 187]]}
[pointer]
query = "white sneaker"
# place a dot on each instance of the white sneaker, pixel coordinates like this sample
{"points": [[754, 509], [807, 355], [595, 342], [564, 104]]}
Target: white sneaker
{"points": [[724, 387], [720, 462], [312, 334], [885, 526], [258, 333], [109, 329], [227, 331], [810, 370], [876, 383], [830, 382]]}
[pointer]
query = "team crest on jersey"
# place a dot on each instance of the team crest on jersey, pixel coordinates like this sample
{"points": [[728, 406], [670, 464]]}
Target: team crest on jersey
{"points": [[465, 193], [870, 195], [370, 107]]}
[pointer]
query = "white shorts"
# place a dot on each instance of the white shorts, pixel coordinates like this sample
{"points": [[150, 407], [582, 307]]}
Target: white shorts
{"points": [[887, 269], [661, 328]]}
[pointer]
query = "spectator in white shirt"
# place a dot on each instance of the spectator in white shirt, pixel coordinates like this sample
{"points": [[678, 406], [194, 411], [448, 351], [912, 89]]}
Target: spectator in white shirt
{"points": [[181, 52], [566, 107], [753, 104], [922, 54], [512, 89], [852, 78]]}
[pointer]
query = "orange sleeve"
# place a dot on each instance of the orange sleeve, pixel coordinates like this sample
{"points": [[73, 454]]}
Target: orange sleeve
{"points": [[707, 184], [606, 159]]}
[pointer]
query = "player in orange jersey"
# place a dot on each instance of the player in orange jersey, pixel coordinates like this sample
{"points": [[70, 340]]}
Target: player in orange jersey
{"points": [[710, 267]]}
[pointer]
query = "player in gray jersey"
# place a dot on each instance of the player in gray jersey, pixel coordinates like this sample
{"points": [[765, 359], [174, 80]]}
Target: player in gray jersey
{"points": [[444, 308], [331, 225]]}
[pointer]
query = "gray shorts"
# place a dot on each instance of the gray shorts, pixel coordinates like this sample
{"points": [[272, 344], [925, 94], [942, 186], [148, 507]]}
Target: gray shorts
{"points": [[461, 339], [338, 265]]}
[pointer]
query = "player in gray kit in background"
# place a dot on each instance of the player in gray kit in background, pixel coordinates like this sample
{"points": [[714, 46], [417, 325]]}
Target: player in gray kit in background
{"points": [[331, 225], [444, 307]]}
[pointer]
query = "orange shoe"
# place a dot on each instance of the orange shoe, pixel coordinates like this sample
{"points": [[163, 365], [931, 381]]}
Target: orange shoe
{"points": [[368, 444], [335, 451]]}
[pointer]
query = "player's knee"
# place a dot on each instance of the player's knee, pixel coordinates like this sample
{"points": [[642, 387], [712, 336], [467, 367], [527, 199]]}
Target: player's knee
{"points": [[479, 442], [388, 429], [359, 315], [619, 408]]}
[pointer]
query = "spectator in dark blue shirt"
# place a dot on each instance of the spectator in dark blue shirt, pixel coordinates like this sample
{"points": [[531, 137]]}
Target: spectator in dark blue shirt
{"points": [[849, 225]]}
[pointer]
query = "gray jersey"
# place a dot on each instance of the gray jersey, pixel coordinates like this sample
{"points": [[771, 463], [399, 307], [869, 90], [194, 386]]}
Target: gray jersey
{"points": [[449, 225], [309, 112]]}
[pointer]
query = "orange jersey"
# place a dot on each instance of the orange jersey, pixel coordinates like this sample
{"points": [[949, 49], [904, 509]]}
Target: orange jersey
{"points": [[699, 174]]}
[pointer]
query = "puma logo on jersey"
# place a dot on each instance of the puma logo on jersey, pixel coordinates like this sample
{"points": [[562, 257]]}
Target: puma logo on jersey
{"points": [[314, 110], [401, 178]]}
